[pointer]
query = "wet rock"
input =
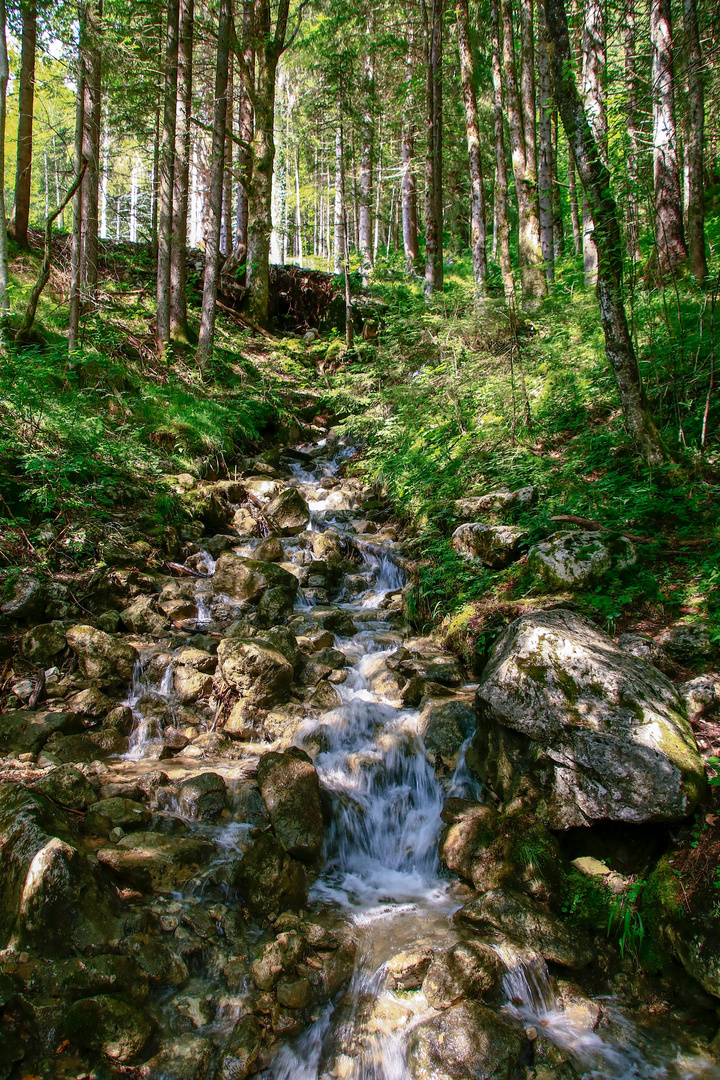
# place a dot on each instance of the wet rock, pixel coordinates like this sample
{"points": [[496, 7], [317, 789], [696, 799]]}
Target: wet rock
{"points": [[284, 641], [41, 644], [269, 550], [245, 523], [158, 963], [336, 620], [185, 1057], [277, 958], [578, 559], [328, 546], [67, 786], [141, 617], [516, 915], [444, 726], [100, 656], [495, 501], [270, 880], [325, 696], [494, 546], [27, 732], [34, 599], [189, 684], [462, 1043], [290, 788], [406, 970], [108, 1025], [52, 899], [202, 797], [109, 621], [288, 513], [701, 695], [154, 862], [259, 672], [62, 749], [81, 977], [113, 588], [689, 642], [467, 969], [209, 506], [90, 703], [602, 733], [116, 813], [428, 665], [245, 580], [196, 657], [275, 606], [333, 658], [242, 1050]]}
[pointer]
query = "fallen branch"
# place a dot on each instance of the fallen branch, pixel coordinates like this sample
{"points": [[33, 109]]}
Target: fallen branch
{"points": [[246, 321]]}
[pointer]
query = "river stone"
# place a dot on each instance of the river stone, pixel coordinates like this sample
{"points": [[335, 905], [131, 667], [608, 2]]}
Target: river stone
{"points": [[189, 684], [578, 559], [688, 642], [328, 546], [116, 813], [467, 969], [52, 900], [198, 658], [284, 641], [67, 786], [86, 976], [603, 733], [85, 748], [465, 1042], [154, 862], [90, 703], [269, 550], [291, 790], [406, 970], [277, 958], [444, 726], [101, 656], [245, 580], [34, 599], [295, 994], [242, 1050], [275, 606], [270, 880], [202, 797], [185, 1057], [494, 546], [109, 1025], [288, 513], [41, 644], [259, 672], [244, 523], [471, 506], [141, 617], [27, 732], [518, 917]]}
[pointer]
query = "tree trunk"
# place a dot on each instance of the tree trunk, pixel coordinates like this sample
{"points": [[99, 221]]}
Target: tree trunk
{"points": [[269, 48], [245, 132], [545, 148], [409, 193], [669, 231], [534, 284], [167, 169], [574, 208], [26, 95], [340, 231], [76, 250], [596, 182], [367, 138], [501, 219], [527, 92], [433, 158], [4, 74], [154, 184], [594, 62], [298, 208], [558, 227], [217, 169], [226, 229], [472, 128], [91, 150], [181, 176], [695, 144], [632, 216]]}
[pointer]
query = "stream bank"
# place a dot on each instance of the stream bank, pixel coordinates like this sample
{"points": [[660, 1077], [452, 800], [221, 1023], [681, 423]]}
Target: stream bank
{"points": [[258, 827]]}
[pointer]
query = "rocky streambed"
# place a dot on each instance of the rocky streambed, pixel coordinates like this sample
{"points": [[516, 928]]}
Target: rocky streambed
{"points": [[251, 825]]}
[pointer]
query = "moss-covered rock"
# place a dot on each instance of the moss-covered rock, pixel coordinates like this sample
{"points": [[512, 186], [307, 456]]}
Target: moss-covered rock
{"points": [[109, 1025], [288, 513], [463, 1042], [154, 862], [255, 669], [100, 656], [578, 559], [270, 880], [494, 546], [291, 790]]}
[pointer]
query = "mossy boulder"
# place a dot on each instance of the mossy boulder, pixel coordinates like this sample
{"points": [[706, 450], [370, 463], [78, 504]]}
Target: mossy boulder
{"points": [[270, 880], [464, 1042], [100, 656], [203, 797], [116, 813], [154, 862], [467, 969], [494, 546], [287, 514], [255, 669], [599, 733], [43, 642], [242, 1050], [24, 732], [109, 1025], [245, 580], [576, 560], [67, 786], [291, 791]]}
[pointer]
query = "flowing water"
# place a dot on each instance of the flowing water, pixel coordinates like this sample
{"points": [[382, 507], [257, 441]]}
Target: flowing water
{"points": [[380, 861]]}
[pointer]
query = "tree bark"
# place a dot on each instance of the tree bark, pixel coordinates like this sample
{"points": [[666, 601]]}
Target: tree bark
{"points": [[632, 216], [527, 91], [181, 176], [558, 226], [545, 149], [91, 150], [226, 230], [433, 157], [669, 231], [594, 63], [596, 182], [76, 249], [534, 284], [574, 208], [217, 168], [340, 231], [245, 132], [472, 128], [695, 144], [167, 170], [409, 192], [26, 96], [501, 219], [4, 74], [367, 138], [268, 50]]}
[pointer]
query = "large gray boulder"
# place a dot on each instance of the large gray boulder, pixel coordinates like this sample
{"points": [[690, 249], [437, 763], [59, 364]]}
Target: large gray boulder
{"points": [[100, 656], [599, 733], [471, 506], [245, 580], [494, 546], [288, 513], [465, 1042], [578, 559], [291, 791], [255, 669]]}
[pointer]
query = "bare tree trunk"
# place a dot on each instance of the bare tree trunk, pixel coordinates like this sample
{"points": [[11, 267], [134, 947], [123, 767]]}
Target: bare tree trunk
{"points": [[632, 215], [4, 74], [226, 230], [91, 150], [340, 231], [217, 168], [596, 182], [409, 193], [695, 144], [472, 128], [76, 250], [534, 284], [669, 231], [574, 208], [501, 218], [154, 187], [167, 170], [558, 227], [527, 92], [367, 138], [268, 50], [298, 208], [245, 132], [545, 147], [378, 199], [433, 157], [594, 63], [26, 96], [181, 176]]}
